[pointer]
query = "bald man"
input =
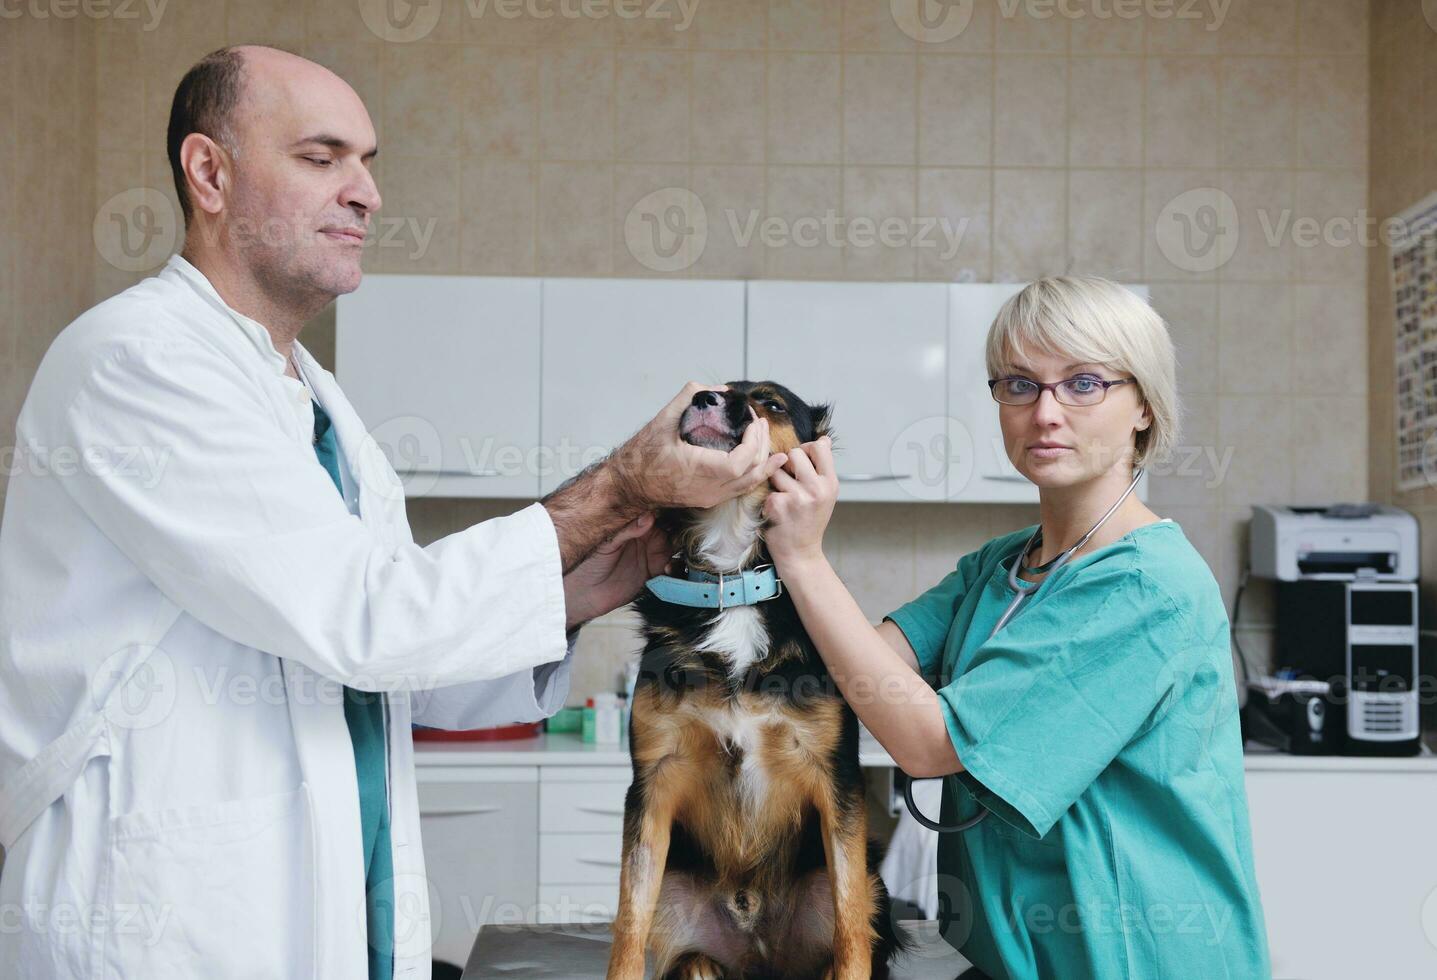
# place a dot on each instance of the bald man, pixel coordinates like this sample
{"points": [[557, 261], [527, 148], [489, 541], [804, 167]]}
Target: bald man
{"points": [[215, 626]]}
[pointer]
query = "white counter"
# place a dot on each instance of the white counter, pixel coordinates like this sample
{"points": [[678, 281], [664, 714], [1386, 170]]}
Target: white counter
{"points": [[566, 749], [1343, 847]]}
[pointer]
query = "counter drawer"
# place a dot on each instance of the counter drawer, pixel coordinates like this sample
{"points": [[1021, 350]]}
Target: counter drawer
{"points": [[578, 903], [582, 808], [580, 858]]}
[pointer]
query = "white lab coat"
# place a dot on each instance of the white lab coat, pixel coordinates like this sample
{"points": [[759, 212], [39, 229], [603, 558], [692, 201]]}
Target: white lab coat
{"points": [[182, 593]]}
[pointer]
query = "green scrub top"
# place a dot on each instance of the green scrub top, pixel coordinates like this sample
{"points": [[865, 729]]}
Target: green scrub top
{"points": [[1099, 727], [364, 716]]}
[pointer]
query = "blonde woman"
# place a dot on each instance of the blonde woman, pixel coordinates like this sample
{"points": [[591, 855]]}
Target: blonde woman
{"points": [[1093, 734]]}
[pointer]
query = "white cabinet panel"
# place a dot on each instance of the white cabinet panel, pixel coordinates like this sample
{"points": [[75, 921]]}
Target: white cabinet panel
{"points": [[1345, 867], [878, 353], [578, 903], [580, 858], [582, 808], [979, 469], [481, 853], [444, 371], [616, 351]]}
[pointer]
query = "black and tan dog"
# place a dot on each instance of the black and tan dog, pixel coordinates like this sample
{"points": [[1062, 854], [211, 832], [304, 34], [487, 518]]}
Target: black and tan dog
{"points": [[746, 850]]}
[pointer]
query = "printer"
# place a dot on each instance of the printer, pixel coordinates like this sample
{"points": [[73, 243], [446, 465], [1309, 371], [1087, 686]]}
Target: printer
{"points": [[1343, 541], [1345, 650]]}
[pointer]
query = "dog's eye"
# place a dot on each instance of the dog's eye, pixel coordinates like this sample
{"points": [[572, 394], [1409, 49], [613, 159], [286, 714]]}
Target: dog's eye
{"points": [[773, 406]]}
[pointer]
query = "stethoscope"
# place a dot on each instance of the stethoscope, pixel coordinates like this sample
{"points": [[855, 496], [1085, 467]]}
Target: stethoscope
{"points": [[1021, 591]]}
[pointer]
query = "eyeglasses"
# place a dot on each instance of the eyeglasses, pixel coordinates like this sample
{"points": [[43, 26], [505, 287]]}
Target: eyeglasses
{"points": [[1082, 390]]}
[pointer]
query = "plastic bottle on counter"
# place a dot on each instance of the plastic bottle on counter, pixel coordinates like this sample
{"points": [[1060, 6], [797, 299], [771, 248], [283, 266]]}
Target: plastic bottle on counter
{"points": [[631, 681], [589, 720], [606, 718]]}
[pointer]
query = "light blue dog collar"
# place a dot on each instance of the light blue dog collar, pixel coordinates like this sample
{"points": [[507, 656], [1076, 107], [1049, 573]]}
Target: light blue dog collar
{"points": [[708, 591]]}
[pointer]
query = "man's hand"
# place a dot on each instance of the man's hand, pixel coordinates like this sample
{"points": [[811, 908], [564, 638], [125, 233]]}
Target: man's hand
{"points": [[653, 469], [616, 571], [656, 468]]}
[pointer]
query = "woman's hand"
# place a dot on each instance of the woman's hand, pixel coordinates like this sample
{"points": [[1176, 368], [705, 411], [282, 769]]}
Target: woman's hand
{"points": [[616, 571], [799, 509]]}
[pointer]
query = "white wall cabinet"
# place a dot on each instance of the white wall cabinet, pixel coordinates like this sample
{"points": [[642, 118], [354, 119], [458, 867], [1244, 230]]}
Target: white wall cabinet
{"points": [[444, 372], [615, 352], [979, 468], [878, 352], [506, 387]]}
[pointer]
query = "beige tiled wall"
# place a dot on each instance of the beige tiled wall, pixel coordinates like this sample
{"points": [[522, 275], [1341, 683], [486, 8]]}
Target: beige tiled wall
{"points": [[47, 76], [1403, 110], [1058, 142]]}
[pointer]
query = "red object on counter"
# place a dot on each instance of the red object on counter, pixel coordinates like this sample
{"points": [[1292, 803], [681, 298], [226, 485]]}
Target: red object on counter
{"points": [[502, 733]]}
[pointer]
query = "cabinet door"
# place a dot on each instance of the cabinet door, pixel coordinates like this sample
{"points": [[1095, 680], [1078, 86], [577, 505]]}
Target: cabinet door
{"points": [[1344, 863], [979, 469], [444, 371], [616, 351], [481, 852], [878, 353], [578, 903]]}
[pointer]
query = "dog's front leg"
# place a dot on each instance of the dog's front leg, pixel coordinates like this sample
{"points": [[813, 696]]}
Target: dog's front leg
{"points": [[845, 831], [648, 820]]}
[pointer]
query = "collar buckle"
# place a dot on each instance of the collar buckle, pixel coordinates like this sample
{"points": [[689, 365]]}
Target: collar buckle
{"points": [[777, 582]]}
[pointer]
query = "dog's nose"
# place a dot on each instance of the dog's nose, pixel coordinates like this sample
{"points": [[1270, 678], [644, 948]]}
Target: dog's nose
{"points": [[708, 399]]}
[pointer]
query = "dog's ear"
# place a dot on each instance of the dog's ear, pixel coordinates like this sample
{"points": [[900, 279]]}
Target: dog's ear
{"points": [[670, 520], [821, 414]]}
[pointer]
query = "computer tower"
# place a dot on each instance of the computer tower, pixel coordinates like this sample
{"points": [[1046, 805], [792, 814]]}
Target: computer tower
{"points": [[1362, 637]]}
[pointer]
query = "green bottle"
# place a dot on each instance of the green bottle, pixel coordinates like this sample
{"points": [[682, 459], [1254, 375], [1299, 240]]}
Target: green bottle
{"points": [[589, 721]]}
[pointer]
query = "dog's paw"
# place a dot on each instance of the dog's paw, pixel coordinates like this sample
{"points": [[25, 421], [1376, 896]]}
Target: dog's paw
{"points": [[696, 966], [859, 972]]}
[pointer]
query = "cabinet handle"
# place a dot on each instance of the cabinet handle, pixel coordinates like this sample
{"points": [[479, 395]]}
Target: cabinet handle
{"points": [[609, 863], [1008, 478], [457, 811], [408, 473], [605, 810], [871, 477]]}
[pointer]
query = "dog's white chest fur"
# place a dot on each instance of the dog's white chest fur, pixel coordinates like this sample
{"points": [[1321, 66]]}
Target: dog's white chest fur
{"points": [[739, 635], [727, 541], [740, 729]]}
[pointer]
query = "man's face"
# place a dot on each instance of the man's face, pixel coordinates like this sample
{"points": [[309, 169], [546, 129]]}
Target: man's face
{"points": [[299, 209]]}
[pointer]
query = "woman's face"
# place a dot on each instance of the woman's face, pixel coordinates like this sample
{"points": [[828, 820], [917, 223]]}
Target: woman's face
{"points": [[1057, 445]]}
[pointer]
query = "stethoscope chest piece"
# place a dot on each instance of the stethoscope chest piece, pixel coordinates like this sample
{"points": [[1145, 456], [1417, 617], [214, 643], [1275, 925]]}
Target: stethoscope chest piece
{"points": [[957, 828]]}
